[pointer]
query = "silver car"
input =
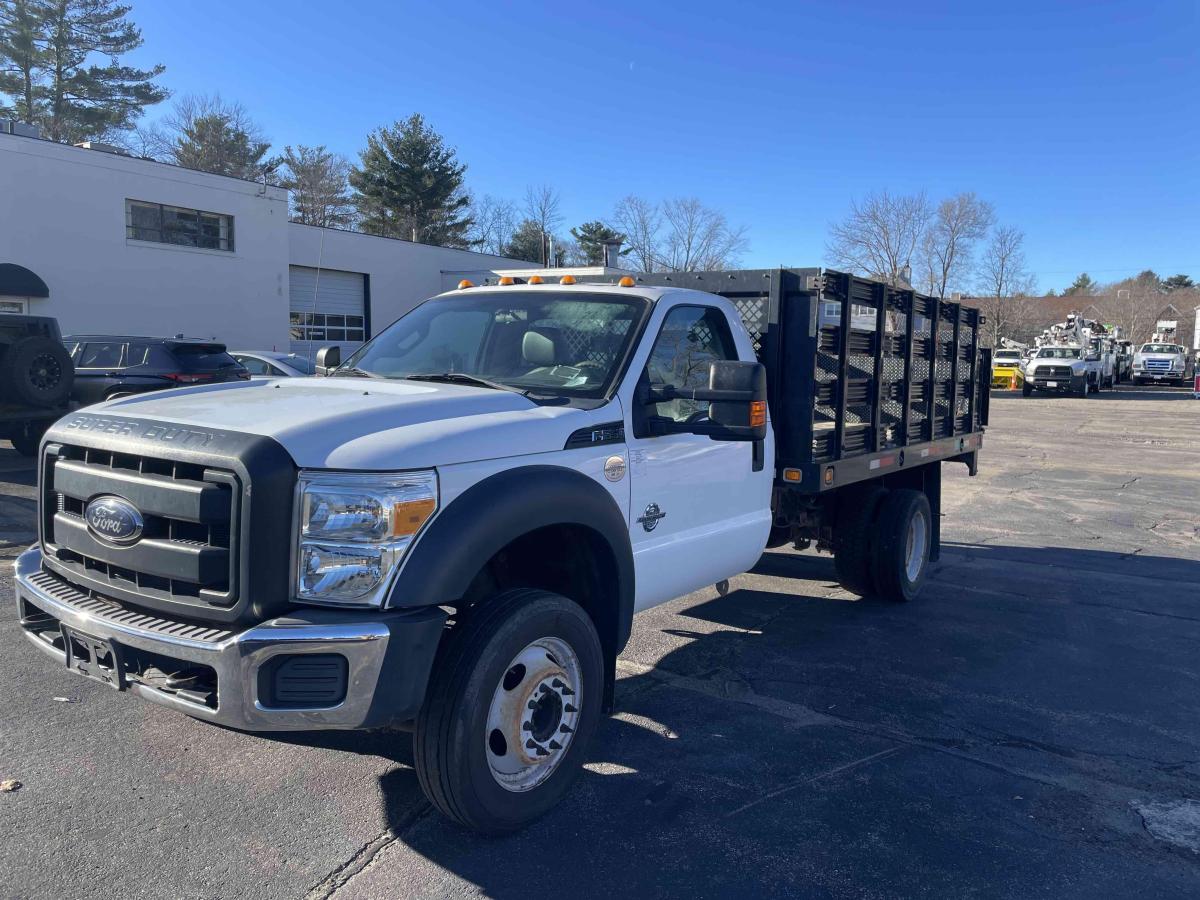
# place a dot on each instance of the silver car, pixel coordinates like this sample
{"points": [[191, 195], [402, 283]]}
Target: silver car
{"points": [[271, 364]]}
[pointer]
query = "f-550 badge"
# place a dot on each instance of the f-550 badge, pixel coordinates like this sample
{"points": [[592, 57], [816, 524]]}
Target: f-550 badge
{"points": [[650, 517]]}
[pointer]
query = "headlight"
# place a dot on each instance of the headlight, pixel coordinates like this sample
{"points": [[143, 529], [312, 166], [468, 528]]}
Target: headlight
{"points": [[1137, 363], [355, 529]]}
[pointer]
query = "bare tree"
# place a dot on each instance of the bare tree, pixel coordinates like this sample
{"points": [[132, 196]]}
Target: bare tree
{"points": [[213, 135], [946, 247], [880, 236], [640, 221], [1005, 283], [319, 186], [493, 222], [699, 238]]}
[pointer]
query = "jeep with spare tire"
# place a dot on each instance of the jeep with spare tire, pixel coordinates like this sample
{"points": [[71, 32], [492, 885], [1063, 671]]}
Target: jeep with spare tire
{"points": [[36, 377]]}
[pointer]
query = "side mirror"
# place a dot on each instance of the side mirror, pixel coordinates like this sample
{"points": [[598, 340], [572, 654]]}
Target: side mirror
{"points": [[737, 403], [328, 359], [742, 417]]}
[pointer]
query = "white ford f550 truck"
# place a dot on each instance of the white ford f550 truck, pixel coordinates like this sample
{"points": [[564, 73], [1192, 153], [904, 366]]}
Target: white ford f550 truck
{"points": [[451, 535]]}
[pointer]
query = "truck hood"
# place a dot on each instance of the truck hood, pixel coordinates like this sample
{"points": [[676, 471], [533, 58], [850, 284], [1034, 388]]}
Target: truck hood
{"points": [[1076, 365], [1172, 357], [361, 423]]}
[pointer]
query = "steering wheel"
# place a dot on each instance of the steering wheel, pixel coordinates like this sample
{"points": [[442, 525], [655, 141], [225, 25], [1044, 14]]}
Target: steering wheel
{"points": [[589, 364]]}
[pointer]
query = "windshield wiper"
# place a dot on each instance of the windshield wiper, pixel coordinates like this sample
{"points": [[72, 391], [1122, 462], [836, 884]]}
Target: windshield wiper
{"points": [[463, 378], [353, 372]]}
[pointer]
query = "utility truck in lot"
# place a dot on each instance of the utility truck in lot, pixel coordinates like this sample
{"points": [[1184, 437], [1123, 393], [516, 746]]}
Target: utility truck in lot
{"points": [[1161, 359], [1076, 356], [451, 535]]}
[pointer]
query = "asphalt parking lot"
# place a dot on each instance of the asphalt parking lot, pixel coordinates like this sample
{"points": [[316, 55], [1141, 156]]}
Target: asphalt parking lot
{"points": [[1029, 727]]}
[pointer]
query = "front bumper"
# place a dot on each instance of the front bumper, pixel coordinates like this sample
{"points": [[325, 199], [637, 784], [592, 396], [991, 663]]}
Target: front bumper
{"points": [[1073, 384], [387, 655]]}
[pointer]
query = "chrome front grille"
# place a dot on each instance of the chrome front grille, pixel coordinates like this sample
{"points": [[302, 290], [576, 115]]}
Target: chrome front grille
{"points": [[187, 553], [1158, 365], [1052, 373]]}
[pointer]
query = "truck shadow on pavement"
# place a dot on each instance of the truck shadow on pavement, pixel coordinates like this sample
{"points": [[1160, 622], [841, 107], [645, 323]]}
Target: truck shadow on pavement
{"points": [[819, 735]]}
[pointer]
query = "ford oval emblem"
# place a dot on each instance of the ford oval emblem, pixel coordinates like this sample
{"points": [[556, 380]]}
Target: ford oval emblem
{"points": [[114, 519]]}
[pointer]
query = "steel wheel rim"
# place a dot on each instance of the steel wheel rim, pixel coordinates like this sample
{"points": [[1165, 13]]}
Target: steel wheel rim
{"points": [[914, 554], [534, 714]]}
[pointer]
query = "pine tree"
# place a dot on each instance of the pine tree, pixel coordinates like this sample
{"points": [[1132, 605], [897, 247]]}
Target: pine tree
{"points": [[1084, 284], [22, 60], [61, 65], [319, 191], [211, 135], [591, 237], [1177, 283], [526, 242], [409, 185]]}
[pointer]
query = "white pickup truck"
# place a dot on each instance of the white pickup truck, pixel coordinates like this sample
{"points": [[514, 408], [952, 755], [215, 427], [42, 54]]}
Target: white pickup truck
{"points": [[1160, 362], [451, 535]]}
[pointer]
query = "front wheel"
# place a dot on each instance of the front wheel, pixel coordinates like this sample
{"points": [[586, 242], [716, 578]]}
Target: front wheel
{"points": [[1026, 390], [905, 536], [513, 701]]}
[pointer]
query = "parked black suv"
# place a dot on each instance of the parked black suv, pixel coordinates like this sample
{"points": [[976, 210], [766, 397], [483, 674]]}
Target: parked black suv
{"points": [[35, 379], [108, 366]]}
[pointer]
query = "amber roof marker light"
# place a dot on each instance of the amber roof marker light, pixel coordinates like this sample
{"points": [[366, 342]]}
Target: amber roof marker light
{"points": [[464, 284], [627, 281], [535, 279], [505, 280], [567, 279]]}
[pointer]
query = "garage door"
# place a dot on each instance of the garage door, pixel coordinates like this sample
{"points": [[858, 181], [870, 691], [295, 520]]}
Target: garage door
{"points": [[327, 307]]}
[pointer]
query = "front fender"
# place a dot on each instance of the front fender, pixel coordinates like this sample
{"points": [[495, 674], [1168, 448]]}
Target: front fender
{"points": [[491, 514]]}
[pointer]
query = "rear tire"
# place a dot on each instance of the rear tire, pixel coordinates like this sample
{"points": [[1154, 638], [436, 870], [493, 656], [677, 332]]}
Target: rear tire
{"points": [[902, 549], [474, 750], [37, 371], [854, 539]]}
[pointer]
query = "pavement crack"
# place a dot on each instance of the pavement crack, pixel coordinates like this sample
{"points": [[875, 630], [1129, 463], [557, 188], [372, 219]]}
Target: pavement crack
{"points": [[339, 877]]}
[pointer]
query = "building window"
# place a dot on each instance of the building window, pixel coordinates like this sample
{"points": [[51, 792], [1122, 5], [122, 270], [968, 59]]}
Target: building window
{"points": [[327, 328], [176, 225]]}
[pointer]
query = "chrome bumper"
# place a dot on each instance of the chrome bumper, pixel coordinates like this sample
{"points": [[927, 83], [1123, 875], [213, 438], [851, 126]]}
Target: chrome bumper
{"points": [[388, 655]]}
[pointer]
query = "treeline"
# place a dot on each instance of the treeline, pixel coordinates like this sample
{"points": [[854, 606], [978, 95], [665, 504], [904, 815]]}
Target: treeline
{"points": [[61, 69], [956, 246]]}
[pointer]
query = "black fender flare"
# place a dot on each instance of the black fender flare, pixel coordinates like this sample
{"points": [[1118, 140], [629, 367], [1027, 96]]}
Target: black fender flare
{"points": [[499, 509]]}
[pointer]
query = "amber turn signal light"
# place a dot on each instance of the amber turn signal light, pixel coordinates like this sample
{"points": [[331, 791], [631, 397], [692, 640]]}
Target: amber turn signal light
{"points": [[758, 413]]}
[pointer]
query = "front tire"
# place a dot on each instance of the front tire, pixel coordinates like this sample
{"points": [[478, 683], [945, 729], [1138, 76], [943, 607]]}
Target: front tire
{"points": [[512, 704], [902, 548], [1026, 390]]}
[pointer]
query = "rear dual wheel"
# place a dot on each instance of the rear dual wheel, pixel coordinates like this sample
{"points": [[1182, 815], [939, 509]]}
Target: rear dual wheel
{"points": [[882, 543]]}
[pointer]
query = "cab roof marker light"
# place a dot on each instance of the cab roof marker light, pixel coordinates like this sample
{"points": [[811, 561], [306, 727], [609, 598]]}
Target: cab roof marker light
{"points": [[535, 279], [567, 279], [505, 280], [464, 284], [626, 281]]}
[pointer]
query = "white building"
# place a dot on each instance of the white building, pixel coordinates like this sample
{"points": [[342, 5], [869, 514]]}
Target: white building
{"points": [[132, 246]]}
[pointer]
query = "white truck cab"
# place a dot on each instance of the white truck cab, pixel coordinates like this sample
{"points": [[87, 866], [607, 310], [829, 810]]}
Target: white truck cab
{"points": [[1160, 362], [451, 534]]}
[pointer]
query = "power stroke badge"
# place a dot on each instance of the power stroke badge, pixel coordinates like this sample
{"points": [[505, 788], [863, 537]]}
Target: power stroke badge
{"points": [[650, 517]]}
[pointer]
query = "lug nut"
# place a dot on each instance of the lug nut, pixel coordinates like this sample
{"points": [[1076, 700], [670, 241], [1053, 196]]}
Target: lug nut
{"points": [[567, 707], [555, 745], [527, 726]]}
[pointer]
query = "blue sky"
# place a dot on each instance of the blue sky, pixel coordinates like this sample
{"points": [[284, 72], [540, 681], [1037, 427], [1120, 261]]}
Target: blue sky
{"points": [[1079, 121]]}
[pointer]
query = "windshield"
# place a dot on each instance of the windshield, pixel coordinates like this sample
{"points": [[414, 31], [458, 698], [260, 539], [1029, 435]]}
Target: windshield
{"points": [[1159, 348], [1058, 353], [535, 341], [1008, 354], [300, 364]]}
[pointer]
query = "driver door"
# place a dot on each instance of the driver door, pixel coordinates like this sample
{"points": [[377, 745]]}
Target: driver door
{"points": [[699, 511]]}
